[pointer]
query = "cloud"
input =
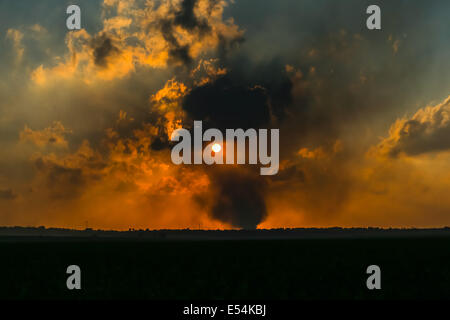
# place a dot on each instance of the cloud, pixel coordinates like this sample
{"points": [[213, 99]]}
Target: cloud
{"points": [[157, 35], [236, 197], [38, 29], [16, 37], [395, 44], [141, 69], [51, 136], [224, 104], [320, 152], [7, 194], [238, 98], [233, 100], [128, 175], [428, 130], [316, 183], [103, 48]]}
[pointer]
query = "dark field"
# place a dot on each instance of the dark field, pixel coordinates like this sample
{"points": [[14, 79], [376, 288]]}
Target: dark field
{"points": [[412, 268]]}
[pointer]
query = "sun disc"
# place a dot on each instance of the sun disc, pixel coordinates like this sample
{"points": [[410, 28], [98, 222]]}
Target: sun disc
{"points": [[216, 147]]}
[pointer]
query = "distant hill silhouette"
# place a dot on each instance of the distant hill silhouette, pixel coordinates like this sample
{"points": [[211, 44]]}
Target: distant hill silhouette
{"points": [[188, 234]]}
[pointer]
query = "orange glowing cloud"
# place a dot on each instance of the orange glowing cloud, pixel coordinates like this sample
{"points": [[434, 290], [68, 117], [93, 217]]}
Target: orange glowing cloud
{"points": [[150, 37]]}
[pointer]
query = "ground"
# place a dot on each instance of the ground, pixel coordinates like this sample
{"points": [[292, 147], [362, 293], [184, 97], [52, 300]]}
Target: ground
{"points": [[329, 268]]}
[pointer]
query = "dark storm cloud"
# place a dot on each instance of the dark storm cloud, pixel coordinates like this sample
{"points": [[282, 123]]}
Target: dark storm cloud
{"points": [[238, 101], [177, 51], [160, 141], [227, 45], [223, 104], [258, 95], [254, 98], [103, 48], [237, 197], [185, 17]]}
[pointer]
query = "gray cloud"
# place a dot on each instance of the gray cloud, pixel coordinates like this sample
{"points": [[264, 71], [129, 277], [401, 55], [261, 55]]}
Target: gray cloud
{"points": [[427, 131]]}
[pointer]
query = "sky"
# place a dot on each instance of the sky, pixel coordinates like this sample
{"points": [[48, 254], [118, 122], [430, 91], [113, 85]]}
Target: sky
{"points": [[86, 115]]}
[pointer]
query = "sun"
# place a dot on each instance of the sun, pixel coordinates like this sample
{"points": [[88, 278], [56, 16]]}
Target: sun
{"points": [[216, 147]]}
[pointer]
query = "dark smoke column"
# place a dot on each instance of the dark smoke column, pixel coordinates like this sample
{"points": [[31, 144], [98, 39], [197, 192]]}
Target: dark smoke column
{"points": [[238, 197]]}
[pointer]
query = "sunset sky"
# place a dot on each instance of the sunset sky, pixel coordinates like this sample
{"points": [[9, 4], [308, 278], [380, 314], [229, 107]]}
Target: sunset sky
{"points": [[86, 116]]}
